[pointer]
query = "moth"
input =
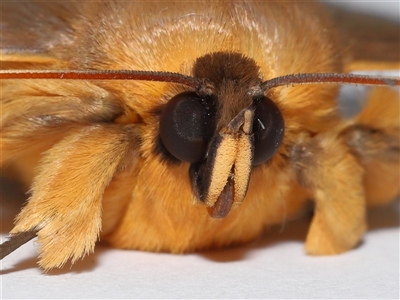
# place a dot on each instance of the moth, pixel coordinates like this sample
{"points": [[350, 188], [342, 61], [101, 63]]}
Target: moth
{"points": [[201, 143]]}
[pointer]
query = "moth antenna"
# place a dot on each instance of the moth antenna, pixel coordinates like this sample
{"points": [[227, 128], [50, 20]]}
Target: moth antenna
{"points": [[315, 78], [160, 76], [102, 75], [15, 242]]}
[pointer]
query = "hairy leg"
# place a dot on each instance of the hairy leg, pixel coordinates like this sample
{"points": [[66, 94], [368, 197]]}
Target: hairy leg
{"points": [[65, 206], [334, 177]]}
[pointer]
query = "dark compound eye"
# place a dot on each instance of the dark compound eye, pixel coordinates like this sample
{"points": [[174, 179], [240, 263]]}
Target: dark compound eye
{"points": [[268, 129], [185, 126]]}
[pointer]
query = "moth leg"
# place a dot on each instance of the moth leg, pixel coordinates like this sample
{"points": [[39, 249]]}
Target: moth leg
{"points": [[325, 166], [374, 138], [65, 206]]}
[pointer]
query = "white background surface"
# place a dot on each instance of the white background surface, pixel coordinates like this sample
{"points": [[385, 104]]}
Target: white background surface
{"points": [[273, 267]]}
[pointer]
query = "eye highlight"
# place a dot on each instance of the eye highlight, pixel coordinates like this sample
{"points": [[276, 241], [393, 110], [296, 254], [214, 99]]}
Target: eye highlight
{"points": [[185, 126], [268, 129]]}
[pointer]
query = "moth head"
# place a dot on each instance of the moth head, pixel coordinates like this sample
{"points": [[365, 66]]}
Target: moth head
{"points": [[223, 128]]}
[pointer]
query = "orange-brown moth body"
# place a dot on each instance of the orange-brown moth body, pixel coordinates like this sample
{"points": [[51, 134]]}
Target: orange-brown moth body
{"points": [[91, 149]]}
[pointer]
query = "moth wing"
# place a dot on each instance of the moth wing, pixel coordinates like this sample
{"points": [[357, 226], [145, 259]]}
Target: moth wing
{"points": [[30, 31], [369, 42], [38, 113]]}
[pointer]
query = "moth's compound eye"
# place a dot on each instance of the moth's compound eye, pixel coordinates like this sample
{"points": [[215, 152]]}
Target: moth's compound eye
{"points": [[268, 129], [185, 127]]}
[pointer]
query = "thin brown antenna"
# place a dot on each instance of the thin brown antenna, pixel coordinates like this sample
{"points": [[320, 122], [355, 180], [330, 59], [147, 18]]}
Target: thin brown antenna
{"points": [[102, 75], [319, 78], [293, 79]]}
